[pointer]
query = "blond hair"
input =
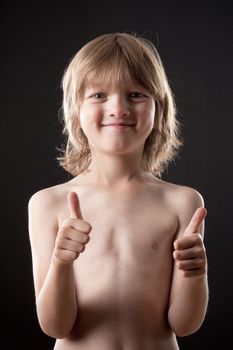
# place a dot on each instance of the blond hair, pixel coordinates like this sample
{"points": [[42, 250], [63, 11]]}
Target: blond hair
{"points": [[119, 58]]}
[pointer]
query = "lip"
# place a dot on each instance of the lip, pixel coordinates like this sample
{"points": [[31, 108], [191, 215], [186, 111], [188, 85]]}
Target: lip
{"points": [[119, 125]]}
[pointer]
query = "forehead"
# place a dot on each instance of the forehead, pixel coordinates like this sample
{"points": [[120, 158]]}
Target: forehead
{"points": [[110, 80]]}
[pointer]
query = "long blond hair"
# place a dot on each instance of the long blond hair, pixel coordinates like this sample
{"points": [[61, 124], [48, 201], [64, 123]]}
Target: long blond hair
{"points": [[119, 57]]}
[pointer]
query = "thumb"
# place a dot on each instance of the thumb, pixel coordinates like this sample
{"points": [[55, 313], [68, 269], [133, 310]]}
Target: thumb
{"points": [[196, 221], [74, 206]]}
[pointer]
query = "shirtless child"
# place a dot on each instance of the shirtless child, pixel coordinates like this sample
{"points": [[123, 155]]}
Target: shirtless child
{"points": [[118, 255]]}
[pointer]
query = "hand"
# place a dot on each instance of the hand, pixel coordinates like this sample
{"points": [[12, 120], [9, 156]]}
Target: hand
{"points": [[189, 253], [73, 234]]}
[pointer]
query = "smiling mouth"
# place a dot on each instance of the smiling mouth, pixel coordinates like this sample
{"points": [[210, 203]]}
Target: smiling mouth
{"points": [[119, 125]]}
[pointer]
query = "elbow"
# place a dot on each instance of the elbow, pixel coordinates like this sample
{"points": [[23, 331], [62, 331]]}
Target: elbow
{"points": [[54, 330], [183, 332], [185, 329], [53, 324], [184, 324]]}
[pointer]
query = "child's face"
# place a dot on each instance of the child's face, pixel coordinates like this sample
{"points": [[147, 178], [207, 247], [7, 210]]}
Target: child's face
{"points": [[117, 120]]}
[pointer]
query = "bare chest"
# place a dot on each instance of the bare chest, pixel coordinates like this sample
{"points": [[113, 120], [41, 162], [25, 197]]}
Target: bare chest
{"points": [[129, 226], [128, 260], [131, 230]]}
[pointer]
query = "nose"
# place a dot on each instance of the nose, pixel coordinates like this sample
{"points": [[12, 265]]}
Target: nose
{"points": [[118, 106]]}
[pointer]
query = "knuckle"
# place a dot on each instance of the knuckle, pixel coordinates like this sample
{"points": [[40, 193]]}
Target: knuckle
{"points": [[65, 223], [87, 227], [196, 240], [74, 222], [59, 241], [81, 248], [76, 255], [202, 254], [62, 232], [176, 255], [180, 265], [86, 239], [178, 243]]}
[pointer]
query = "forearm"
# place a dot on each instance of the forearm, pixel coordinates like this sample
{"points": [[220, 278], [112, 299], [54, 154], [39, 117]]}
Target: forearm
{"points": [[56, 301], [187, 311]]}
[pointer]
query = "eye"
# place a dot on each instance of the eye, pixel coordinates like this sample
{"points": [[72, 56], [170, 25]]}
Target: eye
{"points": [[98, 95], [136, 94]]}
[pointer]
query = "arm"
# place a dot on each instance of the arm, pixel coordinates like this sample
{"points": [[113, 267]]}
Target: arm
{"points": [[54, 250], [189, 289]]}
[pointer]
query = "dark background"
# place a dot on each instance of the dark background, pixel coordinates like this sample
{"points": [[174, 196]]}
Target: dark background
{"points": [[195, 42]]}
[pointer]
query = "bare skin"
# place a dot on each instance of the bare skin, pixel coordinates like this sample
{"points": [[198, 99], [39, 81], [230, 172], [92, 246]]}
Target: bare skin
{"points": [[123, 277], [118, 256]]}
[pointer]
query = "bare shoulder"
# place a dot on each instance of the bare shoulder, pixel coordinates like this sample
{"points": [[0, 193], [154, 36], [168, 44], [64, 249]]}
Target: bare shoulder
{"points": [[45, 198], [50, 197], [183, 200], [46, 203], [180, 195], [184, 196]]}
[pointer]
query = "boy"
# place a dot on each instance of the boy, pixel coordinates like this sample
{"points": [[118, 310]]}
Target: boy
{"points": [[118, 255]]}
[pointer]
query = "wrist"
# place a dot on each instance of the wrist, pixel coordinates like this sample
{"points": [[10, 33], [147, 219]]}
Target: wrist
{"points": [[59, 263]]}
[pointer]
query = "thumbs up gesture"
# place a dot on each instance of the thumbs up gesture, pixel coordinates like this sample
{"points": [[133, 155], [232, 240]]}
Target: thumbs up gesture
{"points": [[189, 252], [73, 234]]}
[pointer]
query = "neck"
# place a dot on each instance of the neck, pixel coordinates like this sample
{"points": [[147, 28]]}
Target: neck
{"points": [[113, 170]]}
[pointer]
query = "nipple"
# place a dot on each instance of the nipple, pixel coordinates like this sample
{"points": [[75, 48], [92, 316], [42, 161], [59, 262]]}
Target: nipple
{"points": [[154, 245]]}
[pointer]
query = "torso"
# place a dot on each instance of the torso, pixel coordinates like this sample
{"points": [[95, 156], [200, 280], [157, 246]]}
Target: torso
{"points": [[123, 277]]}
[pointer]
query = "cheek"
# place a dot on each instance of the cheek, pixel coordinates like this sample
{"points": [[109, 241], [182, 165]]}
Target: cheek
{"points": [[90, 115], [90, 120], [147, 117]]}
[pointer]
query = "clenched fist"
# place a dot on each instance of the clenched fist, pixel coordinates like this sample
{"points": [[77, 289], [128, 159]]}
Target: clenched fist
{"points": [[189, 253], [73, 234]]}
